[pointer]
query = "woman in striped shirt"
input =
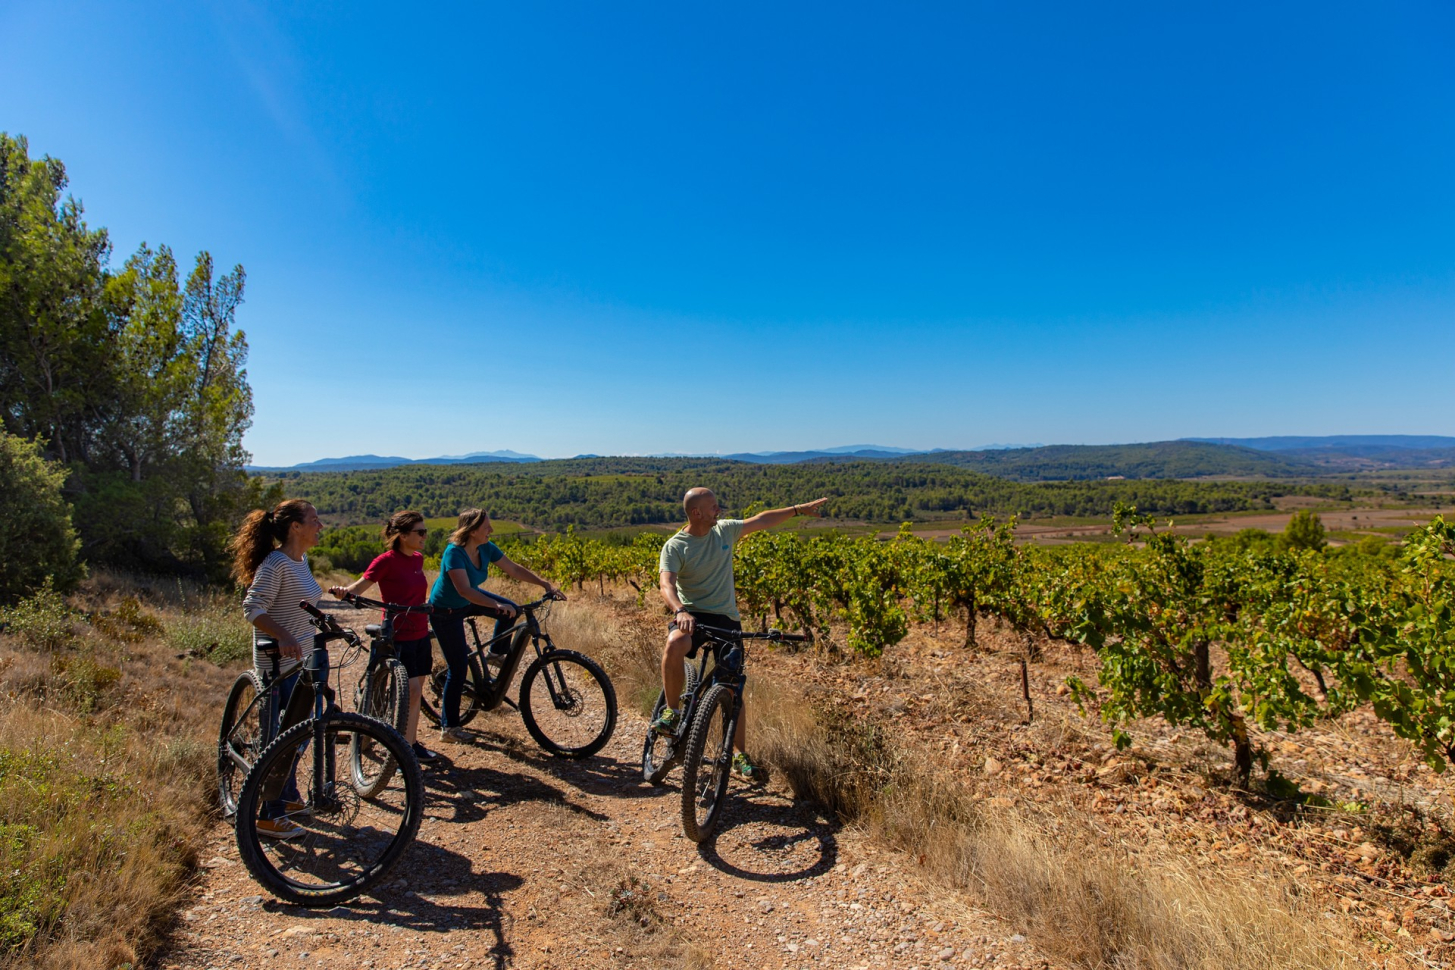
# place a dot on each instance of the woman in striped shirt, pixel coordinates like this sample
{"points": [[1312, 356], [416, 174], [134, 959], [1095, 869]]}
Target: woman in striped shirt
{"points": [[270, 556]]}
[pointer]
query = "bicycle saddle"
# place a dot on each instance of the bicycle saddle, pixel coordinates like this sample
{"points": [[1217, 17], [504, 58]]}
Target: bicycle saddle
{"points": [[374, 630]]}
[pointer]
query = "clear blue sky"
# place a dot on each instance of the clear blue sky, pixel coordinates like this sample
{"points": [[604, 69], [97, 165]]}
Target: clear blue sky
{"points": [[621, 229]]}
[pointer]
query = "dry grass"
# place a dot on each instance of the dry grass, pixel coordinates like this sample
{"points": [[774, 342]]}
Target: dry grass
{"points": [[1080, 902], [107, 744]]}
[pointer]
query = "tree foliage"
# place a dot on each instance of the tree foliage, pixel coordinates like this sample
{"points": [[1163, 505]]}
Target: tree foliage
{"points": [[36, 537], [617, 492], [1305, 530], [132, 379]]}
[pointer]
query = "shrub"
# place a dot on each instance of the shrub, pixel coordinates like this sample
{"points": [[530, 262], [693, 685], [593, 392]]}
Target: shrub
{"points": [[1305, 531], [36, 537], [42, 620], [217, 632], [82, 680], [127, 623]]}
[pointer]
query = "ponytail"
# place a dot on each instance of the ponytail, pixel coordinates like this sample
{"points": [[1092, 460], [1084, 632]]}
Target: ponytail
{"points": [[398, 524], [263, 531]]}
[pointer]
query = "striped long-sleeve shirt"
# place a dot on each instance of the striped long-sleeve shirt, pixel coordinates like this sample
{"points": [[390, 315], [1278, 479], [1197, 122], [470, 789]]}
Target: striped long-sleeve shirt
{"points": [[277, 587]]}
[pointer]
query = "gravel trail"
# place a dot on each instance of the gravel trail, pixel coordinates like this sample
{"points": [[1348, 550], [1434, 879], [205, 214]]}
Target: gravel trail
{"points": [[524, 860]]}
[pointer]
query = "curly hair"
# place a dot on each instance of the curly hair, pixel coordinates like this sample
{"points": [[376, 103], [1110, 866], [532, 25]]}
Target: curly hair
{"points": [[263, 531]]}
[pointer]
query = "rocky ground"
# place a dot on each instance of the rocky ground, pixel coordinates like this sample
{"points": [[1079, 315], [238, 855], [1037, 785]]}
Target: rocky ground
{"points": [[528, 861], [1373, 851]]}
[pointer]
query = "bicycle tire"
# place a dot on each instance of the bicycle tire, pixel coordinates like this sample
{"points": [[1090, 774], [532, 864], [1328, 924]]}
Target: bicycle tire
{"points": [[386, 698], [709, 743], [330, 838], [434, 691], [658, 755], [583, 724], [243, 740]]}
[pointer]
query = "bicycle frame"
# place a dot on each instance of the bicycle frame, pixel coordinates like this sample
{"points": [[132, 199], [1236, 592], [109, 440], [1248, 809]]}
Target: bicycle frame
{"points": [[493, 695]]}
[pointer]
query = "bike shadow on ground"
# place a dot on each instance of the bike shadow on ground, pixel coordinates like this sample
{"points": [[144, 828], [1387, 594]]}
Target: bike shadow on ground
{"points": [[425, 904], [457, 793], [600, 774], [765, 836]]}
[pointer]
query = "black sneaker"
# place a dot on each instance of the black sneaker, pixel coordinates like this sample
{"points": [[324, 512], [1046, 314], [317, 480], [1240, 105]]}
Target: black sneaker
{"points": [[423, 753]]}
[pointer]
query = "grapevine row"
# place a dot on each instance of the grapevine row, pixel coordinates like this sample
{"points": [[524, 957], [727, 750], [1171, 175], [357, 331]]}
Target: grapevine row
{"points": [[1206, 635]]}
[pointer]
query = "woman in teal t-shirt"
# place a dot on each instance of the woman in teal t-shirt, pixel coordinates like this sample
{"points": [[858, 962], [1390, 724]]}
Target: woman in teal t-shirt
{"points": [[457, 595]]}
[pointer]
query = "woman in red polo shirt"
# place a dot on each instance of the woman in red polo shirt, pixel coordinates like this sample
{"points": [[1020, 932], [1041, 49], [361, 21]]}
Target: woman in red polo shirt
{"points": [[399, 571]]}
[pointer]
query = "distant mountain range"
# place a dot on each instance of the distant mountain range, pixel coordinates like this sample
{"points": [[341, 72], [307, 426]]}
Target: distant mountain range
{"points": [[355, 463], [1273, 457]]}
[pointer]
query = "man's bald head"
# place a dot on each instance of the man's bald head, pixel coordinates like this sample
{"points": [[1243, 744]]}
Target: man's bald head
{"points": [[697, 498]]}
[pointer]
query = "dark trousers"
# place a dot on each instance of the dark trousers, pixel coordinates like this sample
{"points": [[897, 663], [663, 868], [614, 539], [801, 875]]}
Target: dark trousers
{"points": [[294, 706], [449, 630]]}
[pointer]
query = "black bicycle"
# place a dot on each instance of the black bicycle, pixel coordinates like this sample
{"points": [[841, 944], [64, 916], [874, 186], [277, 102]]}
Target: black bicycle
{"points": [[382, 692], [566, 700], [346, 843], [711, 703]]}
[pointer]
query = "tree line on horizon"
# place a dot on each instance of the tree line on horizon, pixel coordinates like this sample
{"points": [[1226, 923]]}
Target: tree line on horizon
{"points": [[621, 492], [125, 389]]}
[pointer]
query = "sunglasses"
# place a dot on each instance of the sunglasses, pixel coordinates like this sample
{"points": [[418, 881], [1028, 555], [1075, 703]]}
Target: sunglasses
{"points": [[419, 532]]}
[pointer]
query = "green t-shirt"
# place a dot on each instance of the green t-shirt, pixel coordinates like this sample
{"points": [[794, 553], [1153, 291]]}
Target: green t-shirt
{"points": [[704, 568]]}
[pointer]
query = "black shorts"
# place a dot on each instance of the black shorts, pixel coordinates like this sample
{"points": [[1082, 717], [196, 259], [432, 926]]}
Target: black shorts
{"points": [[710, 619], [415, 655]]}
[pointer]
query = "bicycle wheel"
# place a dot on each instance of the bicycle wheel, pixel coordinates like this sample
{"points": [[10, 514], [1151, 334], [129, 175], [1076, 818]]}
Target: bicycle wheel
{"points": [[707, 762], [347, 844], [240, 739], [434, 692], [386, 697], [568, 704], [658, 755]]}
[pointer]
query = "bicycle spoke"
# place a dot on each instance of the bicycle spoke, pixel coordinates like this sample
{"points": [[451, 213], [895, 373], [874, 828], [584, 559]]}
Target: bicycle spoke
{"points": [[568, 704], [345, 837]]}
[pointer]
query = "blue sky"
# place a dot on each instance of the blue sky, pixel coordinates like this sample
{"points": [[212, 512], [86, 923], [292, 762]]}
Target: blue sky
{"points": [[621, 229]]}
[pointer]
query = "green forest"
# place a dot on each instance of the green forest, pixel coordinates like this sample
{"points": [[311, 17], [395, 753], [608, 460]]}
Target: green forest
{"points": [[619, 492], [122, 387], [1157, 459]]}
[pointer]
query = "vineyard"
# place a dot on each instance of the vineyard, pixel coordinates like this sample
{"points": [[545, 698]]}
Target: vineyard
{"points": [[1218, 636]]}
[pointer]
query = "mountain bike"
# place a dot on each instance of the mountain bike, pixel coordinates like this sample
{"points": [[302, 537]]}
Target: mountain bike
{"points": [[347, 843], [566, 700], [712, 702], [250, 723], [382, 692]]}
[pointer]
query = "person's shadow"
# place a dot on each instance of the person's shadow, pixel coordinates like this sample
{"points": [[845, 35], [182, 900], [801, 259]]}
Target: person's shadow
{"points": [[600, 774], [423, 903], [772, 856], [456, 793]]}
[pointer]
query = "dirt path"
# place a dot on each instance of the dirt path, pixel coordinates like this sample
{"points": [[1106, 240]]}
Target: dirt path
{"points": [[527, 861]]}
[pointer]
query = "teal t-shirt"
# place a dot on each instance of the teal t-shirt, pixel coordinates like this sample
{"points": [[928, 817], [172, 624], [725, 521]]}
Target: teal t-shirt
{"points": [[455, 557], [704, 568]]}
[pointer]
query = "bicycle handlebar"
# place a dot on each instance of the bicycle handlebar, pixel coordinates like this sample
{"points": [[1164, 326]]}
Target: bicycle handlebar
{"points": [[774, 635], [394, 608]]}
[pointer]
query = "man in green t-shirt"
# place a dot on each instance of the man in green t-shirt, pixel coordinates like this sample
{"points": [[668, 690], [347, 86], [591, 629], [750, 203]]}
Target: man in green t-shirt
{"points": [[696, 580]]}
